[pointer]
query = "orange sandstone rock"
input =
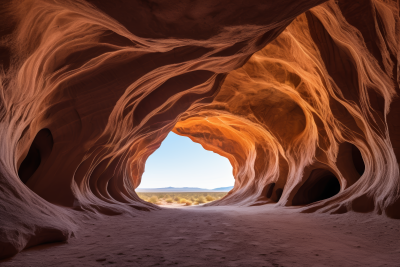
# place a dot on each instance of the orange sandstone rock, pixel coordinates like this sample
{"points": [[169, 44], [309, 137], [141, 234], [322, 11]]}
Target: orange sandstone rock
{"points": [[90, 89]]}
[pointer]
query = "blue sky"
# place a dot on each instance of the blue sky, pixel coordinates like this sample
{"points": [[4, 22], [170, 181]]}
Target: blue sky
{"points": [[179, 162]]}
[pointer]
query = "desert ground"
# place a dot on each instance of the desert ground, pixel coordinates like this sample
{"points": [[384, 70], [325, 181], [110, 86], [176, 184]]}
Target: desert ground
{"points": [[181, 198], [224, 236]]}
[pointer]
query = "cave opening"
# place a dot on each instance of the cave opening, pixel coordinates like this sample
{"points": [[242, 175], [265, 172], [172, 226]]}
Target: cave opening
{"points": [[38, 153], [322, 184], [183, 172]]}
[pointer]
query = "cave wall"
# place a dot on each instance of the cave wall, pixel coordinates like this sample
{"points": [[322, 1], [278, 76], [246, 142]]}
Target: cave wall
{"points": [[322, 92], [108, 81]]}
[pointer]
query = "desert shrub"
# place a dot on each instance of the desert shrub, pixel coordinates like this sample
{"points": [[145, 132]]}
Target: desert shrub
{"points": [[183, 200], [210, 198], [176, 197], [153, 199], [169, 200], [188, 203], [201, 200]]}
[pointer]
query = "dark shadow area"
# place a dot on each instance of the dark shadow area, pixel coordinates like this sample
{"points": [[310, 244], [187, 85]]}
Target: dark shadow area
{"points": [[270, 190], [273, 193], [357, 160], [278, 194], [322, 184], [38, 152]]}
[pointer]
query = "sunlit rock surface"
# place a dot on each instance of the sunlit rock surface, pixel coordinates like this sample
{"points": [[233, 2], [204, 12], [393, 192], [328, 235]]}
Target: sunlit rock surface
{"points": [[90, 89], [313, 114]]}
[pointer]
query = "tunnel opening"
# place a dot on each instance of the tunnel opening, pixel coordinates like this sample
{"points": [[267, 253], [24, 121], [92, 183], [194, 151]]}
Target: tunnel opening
{"points": [[182, 172], [39, 151], [322, 184], [357, 160]]}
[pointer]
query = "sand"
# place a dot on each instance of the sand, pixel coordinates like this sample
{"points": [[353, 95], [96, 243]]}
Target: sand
{"points": [[224, 236]]}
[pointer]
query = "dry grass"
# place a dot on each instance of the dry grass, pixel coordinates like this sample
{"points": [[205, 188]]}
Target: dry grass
{"points": [[210, 198], [201, 200], [186, 198], [183, 200], [153, 199]]}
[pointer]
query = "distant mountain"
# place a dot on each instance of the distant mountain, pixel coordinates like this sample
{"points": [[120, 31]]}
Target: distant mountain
{"points": [[183, 189], [223, 189]]}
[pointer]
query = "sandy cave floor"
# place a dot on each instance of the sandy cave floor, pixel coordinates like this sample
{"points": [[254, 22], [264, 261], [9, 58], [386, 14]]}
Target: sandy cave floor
{"points": [[225, 236]]}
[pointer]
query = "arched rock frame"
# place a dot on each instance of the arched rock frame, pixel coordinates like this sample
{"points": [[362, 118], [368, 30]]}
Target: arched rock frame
{"points": [[109, 89]]}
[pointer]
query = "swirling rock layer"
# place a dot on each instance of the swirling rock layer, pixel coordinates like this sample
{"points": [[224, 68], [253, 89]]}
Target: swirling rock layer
{"points": [[90, 90]]}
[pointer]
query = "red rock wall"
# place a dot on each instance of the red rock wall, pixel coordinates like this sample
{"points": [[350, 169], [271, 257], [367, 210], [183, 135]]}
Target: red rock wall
{"points": [[312, 105], [89, 91]]}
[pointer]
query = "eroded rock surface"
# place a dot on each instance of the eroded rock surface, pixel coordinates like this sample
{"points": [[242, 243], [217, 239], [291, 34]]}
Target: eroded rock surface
{"points": [[310, 111], [90, 89]]}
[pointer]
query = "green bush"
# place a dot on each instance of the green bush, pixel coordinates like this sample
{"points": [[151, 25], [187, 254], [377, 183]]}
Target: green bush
{"points": [[169, 200]]}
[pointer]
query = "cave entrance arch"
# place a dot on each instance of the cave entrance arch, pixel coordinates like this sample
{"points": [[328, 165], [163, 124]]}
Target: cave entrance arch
{"points": [[183, 166]]}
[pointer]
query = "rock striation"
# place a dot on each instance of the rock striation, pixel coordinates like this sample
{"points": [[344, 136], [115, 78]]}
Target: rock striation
{"points": [[311, 116], [301, 96]]}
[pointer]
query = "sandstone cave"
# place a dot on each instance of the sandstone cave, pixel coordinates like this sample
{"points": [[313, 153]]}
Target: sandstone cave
{"points": [[302, 97]]}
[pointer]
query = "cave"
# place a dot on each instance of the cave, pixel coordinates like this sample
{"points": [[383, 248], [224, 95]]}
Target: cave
{"points": [[301, 97], [38, 152], [322, 184]]}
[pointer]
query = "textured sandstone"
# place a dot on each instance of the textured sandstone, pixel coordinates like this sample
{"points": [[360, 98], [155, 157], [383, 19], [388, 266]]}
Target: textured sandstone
{"points": [[309, 107], [90, 90]]}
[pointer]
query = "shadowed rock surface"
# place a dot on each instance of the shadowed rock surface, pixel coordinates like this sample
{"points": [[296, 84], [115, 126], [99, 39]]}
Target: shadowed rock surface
{"points": [[301, 97]]}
